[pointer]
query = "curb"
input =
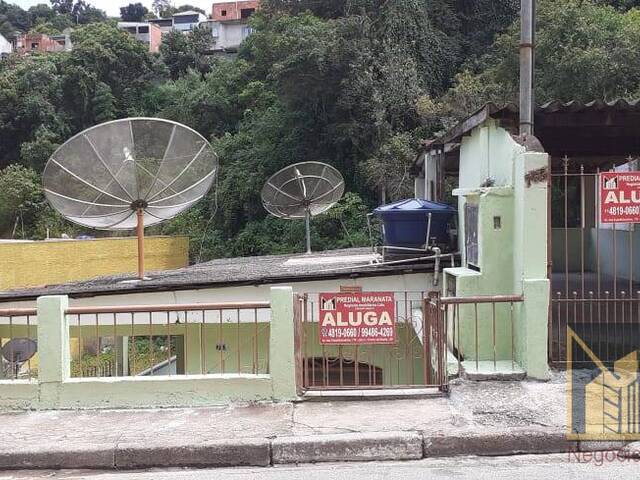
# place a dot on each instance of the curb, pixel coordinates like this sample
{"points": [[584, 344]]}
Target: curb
{"points": [[350, 447], [263, 452], [223, 453], [497, 444], [93, 457]]}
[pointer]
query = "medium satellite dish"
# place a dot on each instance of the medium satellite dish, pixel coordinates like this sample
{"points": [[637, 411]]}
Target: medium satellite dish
{"points": [[19, 350], [128, 174], [303, 190]]}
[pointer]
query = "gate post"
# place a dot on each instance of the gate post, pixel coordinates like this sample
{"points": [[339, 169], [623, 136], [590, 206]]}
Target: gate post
{"points": [[282, 348], [531, 241]]}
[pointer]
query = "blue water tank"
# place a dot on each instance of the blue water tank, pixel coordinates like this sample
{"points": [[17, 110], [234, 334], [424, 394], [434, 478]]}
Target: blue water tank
{"points": [[406, 222]]}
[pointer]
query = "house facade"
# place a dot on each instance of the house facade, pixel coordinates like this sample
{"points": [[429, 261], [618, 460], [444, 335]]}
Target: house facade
{"points": [[148, 33], [531, 222], [187, 21], [42, 43], [229, 23]]}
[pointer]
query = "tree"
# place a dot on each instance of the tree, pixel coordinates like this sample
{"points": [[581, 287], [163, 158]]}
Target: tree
{"points": [[390, 168], [159, 6], [113, 57], [134, 12], [181, 52], [13, 19], [189, 8], [41, 13], [21, 197], [62, 6]]}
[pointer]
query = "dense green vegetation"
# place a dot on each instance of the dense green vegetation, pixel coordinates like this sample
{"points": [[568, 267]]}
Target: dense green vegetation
{"points": [[355, 83]]}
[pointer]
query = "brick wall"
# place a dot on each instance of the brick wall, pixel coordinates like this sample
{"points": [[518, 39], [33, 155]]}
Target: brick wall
{"points": [[233, 10]]}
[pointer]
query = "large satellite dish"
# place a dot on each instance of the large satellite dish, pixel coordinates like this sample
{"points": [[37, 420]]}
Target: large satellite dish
{"points": [[303, 190], [128, 174]]}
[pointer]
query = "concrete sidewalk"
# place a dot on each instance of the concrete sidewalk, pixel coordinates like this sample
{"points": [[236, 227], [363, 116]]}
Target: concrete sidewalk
{"points": [[490, 418]]}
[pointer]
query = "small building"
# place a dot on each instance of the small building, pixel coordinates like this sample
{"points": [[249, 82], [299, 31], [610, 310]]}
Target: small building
{"points": [[5, 47], [229, 23], [40, 42], [164, 24], [532, 223], [181, 21], [147, 33], [241, 344]]}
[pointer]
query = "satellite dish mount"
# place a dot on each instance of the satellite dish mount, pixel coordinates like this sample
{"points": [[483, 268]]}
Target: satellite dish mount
{"points": [[303, 190]]}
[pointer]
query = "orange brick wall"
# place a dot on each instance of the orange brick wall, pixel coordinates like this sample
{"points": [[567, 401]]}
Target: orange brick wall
{"points": [[45, 44], [233, 9], [155, 38]]}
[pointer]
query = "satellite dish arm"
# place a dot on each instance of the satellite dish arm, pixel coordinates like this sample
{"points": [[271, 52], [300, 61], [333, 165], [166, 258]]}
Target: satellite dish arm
{"points": [[140, 235], [308, 228]]}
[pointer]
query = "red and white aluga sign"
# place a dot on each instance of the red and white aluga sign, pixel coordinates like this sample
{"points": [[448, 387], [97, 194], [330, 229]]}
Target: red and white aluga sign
{"points": [[357, 318], [620, 197]]}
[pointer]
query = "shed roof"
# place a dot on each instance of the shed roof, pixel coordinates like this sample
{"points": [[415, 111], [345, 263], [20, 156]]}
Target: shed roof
{"points": [[347, 263], [573, 128], [187, 13]]}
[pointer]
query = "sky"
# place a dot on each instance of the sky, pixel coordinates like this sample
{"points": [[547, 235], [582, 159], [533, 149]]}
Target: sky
{"points": [[112, 7]]}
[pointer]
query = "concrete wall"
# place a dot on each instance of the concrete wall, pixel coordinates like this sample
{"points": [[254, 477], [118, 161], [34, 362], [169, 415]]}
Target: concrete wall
{"points": [[230, 35], [489, 152], [31, 264], [512, 258], [5, 46], [238, 339]]}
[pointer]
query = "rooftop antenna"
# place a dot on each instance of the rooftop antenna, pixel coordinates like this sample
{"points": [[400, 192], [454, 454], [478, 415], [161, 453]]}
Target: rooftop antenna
{"points": [[128, 174], [527, 65], [303, 190]]}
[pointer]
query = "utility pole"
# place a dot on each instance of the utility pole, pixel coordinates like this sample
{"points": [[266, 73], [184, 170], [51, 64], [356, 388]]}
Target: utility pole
{"points": [[527, 63]]}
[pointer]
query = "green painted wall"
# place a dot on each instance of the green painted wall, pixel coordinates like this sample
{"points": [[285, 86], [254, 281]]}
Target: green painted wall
{"points": [[54, 389], [512, 260]]}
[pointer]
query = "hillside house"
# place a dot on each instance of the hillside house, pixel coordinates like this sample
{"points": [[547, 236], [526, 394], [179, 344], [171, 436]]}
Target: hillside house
{"points": [[229, 23], [42, 43], [148, 33]]}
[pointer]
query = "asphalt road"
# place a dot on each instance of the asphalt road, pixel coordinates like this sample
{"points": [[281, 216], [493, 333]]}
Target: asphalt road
{"points": [[472, 468]]}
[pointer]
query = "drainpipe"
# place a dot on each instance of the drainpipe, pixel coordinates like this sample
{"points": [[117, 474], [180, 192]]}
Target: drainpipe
{"points": [[527, 62]]}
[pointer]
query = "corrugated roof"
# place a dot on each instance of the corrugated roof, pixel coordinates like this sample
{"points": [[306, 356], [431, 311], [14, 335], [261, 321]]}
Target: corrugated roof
{"points": [[492, 110], [232, 272]]}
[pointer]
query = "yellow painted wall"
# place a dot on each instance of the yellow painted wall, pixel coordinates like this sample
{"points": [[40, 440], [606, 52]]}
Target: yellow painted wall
{"points": [[33, 264]]}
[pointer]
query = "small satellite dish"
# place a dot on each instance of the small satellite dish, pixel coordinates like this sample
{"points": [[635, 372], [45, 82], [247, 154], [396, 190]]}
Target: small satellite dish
{"points": [[128, 174], [303, 190], [19, 350]]}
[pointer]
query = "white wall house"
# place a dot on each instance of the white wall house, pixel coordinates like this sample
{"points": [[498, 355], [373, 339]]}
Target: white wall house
{"points": [[227, 36], [5, 46], [187, 21]]}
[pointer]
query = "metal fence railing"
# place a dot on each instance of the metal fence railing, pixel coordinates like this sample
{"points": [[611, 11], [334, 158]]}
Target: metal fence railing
{"points": [[404, 364], [149, 340], [595, 289], [490, 320]]}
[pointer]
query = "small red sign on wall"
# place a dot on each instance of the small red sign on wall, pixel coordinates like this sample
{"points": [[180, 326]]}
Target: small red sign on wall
{"points": [[357, 318], [620, 197]]}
